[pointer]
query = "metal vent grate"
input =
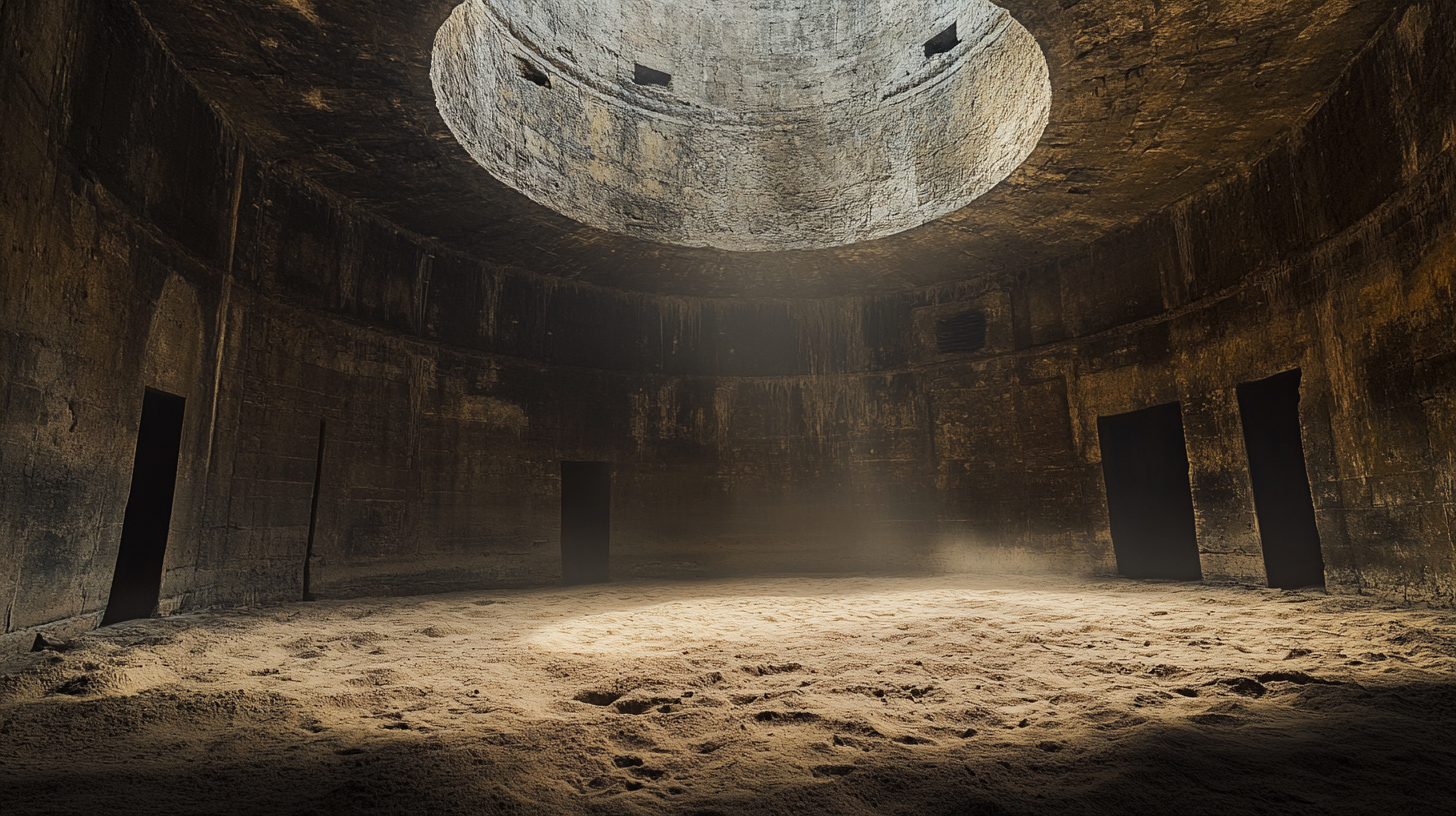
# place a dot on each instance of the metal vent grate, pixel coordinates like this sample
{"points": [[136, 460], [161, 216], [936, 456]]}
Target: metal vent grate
{"points": [[961, 333]]}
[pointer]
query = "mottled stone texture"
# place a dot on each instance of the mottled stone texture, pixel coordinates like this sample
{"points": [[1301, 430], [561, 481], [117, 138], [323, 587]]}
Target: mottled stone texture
{"points": [[774, 127], [142, 243]]}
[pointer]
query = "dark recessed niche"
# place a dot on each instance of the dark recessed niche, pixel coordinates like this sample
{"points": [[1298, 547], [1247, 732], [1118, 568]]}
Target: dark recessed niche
{"points": [[1282, 498], [1149, 501], [961, 332], [531, 72], [586, 522], [642, 75], [942, 42], [137, 583]]}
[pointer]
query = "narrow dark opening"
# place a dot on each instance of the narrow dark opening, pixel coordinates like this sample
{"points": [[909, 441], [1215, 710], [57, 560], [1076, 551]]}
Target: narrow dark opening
{"points": [[529, 71], [959, 333], [1282, 500], [642, 75], [318, 478], [942, 42], [137, 583], [1150, 505], [586, 504]]}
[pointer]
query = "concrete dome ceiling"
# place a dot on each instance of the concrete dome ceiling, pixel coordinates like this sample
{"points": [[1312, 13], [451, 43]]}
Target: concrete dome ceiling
{"points": [[1150, 101], [742, 125]]}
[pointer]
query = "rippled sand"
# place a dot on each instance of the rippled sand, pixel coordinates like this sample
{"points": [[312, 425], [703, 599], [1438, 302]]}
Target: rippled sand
{"points": [[847, 695]]}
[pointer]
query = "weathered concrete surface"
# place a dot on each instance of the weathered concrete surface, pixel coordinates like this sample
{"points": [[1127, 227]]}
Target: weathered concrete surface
{"points": [[1151, 101], [143, 242], [782, 127]]}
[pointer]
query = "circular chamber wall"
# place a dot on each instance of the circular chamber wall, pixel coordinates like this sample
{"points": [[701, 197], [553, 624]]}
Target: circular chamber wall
{"points": [[744, 124]]}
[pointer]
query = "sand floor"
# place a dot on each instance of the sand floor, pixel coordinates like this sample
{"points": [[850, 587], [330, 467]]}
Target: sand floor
{"points": [[792, 695]]}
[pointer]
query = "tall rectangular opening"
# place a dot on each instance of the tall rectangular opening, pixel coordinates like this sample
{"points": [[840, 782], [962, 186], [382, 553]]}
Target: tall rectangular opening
{"points": [[1282, 500], [137, 583], [1149, 500], [586, 505]]}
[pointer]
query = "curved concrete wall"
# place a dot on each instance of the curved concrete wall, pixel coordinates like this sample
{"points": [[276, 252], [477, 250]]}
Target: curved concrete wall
{"points": [[145, 246], [795, 127]]}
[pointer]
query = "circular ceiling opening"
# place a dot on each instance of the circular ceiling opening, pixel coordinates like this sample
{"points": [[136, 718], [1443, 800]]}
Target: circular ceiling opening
{"points": [[741, 124]]}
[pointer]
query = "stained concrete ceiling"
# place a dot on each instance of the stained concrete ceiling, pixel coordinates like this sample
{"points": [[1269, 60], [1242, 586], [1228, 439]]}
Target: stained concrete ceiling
{"points": [[1152, 100]]}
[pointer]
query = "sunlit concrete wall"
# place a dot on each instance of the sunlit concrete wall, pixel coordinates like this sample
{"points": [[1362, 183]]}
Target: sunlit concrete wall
{"points": [[775, 127]]}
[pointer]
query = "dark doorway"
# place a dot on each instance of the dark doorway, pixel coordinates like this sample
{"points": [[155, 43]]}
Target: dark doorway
{"points": [[137, 582], [1145, 466], [1270, 411], [586, 514]]}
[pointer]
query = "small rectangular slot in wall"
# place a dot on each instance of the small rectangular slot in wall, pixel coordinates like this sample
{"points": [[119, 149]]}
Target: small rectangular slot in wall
{"points": [[642, 75], [1282, 500], [942, 42], [137, 582], [530, 72], [586, 504], [1149, 501], [963, 332]]}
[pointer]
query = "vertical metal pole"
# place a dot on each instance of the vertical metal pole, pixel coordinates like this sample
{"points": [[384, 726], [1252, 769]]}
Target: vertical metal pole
{"points": [[318, 477]]}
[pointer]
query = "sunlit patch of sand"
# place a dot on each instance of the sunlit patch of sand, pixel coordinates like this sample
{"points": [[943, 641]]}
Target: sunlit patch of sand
{"points": [[788, 695]]}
